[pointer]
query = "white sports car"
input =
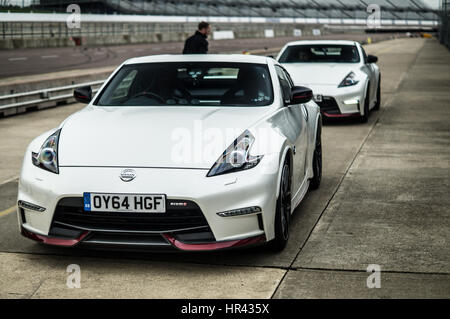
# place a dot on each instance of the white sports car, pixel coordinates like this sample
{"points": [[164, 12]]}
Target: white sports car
{"points": [[345, 80], [189, 152]]}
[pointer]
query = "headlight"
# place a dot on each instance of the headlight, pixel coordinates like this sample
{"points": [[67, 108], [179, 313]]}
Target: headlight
{"points": [[349, 80], [236, 157], [47, 158]]}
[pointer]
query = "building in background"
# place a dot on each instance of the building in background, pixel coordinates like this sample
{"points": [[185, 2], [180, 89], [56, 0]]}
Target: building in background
{"points": [[105, 22], [355, 9]]}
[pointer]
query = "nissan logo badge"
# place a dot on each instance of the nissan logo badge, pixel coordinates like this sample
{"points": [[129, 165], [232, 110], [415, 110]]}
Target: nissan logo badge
{"points": [[127, 175]]}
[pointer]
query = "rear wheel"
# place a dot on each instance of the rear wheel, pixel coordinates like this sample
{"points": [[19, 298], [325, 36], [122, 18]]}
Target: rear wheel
{"points": [[283, 211], [365, 117], [314, 183], [377, 106]]}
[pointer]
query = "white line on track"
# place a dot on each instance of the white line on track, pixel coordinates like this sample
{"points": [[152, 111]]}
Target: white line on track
{"points": [[18, 59], [50, 56], [9, 180]]}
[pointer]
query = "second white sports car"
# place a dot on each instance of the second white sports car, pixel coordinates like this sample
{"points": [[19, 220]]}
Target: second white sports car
{"points": [[345, 80], [190, 152]]}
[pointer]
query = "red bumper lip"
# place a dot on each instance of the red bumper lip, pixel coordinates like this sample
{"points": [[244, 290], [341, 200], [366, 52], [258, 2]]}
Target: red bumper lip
{"points": [[214, 246], [54, 241], [341, 115], [172, 240]]}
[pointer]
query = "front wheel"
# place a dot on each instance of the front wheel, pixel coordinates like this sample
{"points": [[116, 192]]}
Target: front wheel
{"points": [[377, 106], [365, 117], [283, 211], [314, 183]]}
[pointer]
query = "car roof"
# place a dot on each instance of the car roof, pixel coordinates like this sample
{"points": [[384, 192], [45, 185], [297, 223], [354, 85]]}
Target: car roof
{"points": [[236, 58], [303, 42]]}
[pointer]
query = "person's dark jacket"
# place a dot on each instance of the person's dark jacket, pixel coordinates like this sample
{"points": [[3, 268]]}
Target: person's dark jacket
{"points": [[196, 44]]}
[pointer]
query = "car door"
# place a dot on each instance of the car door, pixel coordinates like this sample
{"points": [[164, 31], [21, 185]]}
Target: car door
{"points": [[370, 70], [295, 128]]}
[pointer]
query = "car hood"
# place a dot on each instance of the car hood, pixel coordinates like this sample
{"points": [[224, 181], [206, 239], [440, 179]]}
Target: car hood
{"points": [[305, 74], [165, 137]]}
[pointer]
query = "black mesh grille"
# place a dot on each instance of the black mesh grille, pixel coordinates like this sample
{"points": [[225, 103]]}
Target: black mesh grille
{"points": [[69, 211], [329, 106]]}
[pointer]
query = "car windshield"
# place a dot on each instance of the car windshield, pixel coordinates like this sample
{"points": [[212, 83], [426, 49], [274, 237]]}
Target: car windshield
{"points": [[320, 54], [189, 84]]}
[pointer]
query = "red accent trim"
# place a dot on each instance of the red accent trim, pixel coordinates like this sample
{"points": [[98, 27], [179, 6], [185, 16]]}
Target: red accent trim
{"points": [[53, 241], [214, 246], [341, 115], [302, 96]]}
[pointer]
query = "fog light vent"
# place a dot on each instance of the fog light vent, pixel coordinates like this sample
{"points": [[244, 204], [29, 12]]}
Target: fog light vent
{"points": [[30, 206], [352, 102], [240, 212]]}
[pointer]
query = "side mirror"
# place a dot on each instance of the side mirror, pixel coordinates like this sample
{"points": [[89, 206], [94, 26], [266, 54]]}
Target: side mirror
{"points": [[271, 56], [300, 95], [83, 95], [372, 59]]}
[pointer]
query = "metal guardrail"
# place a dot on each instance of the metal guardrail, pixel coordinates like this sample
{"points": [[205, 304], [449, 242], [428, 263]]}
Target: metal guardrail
{"points": [[44, 96]]}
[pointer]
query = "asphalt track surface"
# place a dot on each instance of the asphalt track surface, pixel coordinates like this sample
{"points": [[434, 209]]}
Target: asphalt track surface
{"points": [[383, 200]]}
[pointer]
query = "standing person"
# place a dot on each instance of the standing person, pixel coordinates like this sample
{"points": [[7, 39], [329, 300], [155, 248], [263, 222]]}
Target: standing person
{"points": [[197, 44]]}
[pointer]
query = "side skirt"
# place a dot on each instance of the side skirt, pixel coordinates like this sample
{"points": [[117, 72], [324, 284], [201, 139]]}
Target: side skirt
{"points": [[298, 197]]}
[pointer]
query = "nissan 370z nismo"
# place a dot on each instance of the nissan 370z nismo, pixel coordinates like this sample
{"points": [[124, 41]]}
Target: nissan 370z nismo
{"points": [[345, 80], [187, 152]]}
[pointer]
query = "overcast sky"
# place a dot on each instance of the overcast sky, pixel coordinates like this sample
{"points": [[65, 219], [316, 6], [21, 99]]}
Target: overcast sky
{"points": [[432, 3]]}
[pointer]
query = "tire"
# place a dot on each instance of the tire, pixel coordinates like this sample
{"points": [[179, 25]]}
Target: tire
{"points": [[365, 117], [377, 106], [314, 183], [283, 211]]}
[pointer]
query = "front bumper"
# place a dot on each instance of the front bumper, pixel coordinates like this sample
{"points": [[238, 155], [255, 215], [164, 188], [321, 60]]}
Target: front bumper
{"points": [[61, 196], [340, 102]]}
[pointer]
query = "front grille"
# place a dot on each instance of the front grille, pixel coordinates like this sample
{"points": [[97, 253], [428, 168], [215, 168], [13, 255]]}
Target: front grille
{"points": [[329, 106], [70, 212]]}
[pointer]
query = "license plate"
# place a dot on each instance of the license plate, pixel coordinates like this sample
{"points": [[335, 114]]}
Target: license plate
{"points": [[318, 98], [131, 203]]}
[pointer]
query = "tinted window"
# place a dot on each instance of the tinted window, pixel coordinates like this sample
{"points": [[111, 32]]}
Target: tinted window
{"points": [[284, 83], [364, 55], [288, 77], [189, 84], [320, 53]]}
